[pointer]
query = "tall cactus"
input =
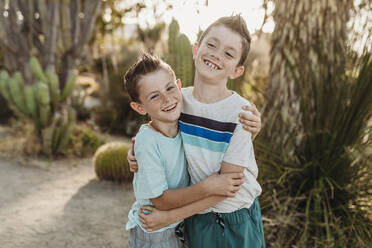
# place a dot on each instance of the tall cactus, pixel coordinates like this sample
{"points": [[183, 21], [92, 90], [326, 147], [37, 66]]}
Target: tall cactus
{"points": [[4, 77], [42, 102], [180, 54], [30, 101], [54, 88], [16, 91], [37, 70], [67, 130], [174, 30]]}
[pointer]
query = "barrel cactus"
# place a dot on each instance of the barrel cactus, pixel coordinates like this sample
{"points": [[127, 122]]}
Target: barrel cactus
{"points": [[110, 162]]}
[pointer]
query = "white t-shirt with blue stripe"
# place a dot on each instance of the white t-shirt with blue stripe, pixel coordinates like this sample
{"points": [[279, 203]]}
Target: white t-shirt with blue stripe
{"points": [[212, 133]]}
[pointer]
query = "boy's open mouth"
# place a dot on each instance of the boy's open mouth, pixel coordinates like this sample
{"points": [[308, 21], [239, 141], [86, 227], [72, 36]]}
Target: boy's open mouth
{"points": [[170, 107], [211, 65]]}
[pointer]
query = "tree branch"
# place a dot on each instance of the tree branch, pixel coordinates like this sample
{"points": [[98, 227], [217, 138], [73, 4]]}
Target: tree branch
{"points": [[91, 10], [75, 21], [51, 36]]}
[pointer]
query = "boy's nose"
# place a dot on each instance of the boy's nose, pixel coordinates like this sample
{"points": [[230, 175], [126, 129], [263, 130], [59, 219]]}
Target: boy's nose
{"points": [[166, 98], [216, 55]]}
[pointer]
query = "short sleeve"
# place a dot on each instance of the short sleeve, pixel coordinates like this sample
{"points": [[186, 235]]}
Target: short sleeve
{"points": [[150, 180], [240, 150]]}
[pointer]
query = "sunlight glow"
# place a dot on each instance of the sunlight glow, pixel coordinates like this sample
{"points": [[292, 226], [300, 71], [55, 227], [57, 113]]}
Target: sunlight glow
{"points": [[191, 16]]}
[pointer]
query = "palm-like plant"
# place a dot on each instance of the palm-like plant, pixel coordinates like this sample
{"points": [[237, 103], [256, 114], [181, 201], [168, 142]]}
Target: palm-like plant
{"points": [[319, 184]]}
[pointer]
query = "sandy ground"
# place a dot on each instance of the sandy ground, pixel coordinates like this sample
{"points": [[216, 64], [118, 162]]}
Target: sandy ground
{"points": [[60, 204]]}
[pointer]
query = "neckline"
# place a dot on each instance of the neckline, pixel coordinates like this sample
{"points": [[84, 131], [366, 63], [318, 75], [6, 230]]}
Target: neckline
{"points": [[233, 93], [153, 128]]}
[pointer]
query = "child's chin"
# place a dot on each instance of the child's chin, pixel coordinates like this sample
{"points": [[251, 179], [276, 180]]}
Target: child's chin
{"points": [[173, 117], [208, 73]]}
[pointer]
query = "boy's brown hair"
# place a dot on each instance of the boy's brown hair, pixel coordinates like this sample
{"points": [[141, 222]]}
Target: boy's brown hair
{"points": [[237, 24], [146, 64]]}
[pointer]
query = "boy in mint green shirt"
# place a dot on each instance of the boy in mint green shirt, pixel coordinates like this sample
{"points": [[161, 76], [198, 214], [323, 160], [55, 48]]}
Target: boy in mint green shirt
{"points": [[165, 169]]}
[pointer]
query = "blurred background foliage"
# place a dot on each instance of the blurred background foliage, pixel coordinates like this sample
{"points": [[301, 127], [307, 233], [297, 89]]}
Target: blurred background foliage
{"points": [[314, 150], [310, 78]]}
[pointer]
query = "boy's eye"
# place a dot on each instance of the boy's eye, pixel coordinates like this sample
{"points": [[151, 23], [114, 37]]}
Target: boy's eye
{"points": [[170, 88], [229, 55], [211, 45], [154, 96]]}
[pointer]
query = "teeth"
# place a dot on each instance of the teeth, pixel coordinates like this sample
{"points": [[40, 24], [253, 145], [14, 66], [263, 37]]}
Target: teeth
{"points": [[170, 107], [211, 65]]}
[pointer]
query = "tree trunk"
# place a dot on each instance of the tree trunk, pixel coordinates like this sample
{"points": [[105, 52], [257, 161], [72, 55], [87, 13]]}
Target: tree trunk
{"points": [[309, 39]]}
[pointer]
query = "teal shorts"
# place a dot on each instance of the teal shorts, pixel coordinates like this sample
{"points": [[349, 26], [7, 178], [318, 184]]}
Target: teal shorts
{"points": [[240, 229]]}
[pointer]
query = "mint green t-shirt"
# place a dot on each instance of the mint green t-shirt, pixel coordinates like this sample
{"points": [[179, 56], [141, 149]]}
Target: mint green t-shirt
{"points": [[161, 166]]}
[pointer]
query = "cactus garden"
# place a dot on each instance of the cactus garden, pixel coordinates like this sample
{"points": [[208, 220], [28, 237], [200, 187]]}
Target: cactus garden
{"points": [[66, 123], [44, 103]]}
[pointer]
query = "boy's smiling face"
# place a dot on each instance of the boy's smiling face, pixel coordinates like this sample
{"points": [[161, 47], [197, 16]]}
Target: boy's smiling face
{"points": [[218, 55], [160, 96]]}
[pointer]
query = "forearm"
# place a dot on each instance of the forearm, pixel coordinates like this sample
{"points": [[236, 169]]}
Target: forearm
{"points": [[175, 198], [230, 168], [181, 213]]}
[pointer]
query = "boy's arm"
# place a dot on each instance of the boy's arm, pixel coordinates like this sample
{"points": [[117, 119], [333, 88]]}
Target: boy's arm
{"points": [[132, 161], [251, 121], [239, 156], [158, 219], [225, 185], [231, 168]]}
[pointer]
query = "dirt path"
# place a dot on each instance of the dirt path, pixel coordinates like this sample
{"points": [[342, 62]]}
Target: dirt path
{"points": [[60, 205]]}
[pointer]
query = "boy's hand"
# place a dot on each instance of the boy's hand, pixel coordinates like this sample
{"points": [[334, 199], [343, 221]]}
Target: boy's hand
{"points": [[251, 123], [132, 161], [224, 184], [154, 220]]}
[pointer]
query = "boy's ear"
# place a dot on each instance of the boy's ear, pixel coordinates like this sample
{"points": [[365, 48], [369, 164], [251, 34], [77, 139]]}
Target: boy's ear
{"points": [[138, 108], [238, 71], [194, 49], [179, 83]]}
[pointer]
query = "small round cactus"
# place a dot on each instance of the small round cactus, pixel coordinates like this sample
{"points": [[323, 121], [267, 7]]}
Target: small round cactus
{"points": [[110, 162]]}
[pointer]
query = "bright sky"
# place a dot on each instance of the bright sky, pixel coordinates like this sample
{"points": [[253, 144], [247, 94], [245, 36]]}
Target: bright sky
{"points": [[190, 21], [192, 14]]}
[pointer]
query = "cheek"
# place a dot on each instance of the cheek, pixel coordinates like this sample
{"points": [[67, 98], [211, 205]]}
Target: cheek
{"points": [[232, 66], [152, 105]]}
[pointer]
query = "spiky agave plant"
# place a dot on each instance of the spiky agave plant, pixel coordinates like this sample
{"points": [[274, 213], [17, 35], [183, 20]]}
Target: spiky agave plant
{"points": [[321, 183]]}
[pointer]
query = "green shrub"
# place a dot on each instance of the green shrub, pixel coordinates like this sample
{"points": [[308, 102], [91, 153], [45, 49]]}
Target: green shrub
{"points": [[77, 102], [19, 138], [115, 115], [84, 142], [110, 162], [317, 188]]}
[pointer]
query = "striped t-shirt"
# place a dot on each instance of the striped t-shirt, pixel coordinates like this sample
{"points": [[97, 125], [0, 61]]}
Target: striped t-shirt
{"points": [[212, 133]]}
